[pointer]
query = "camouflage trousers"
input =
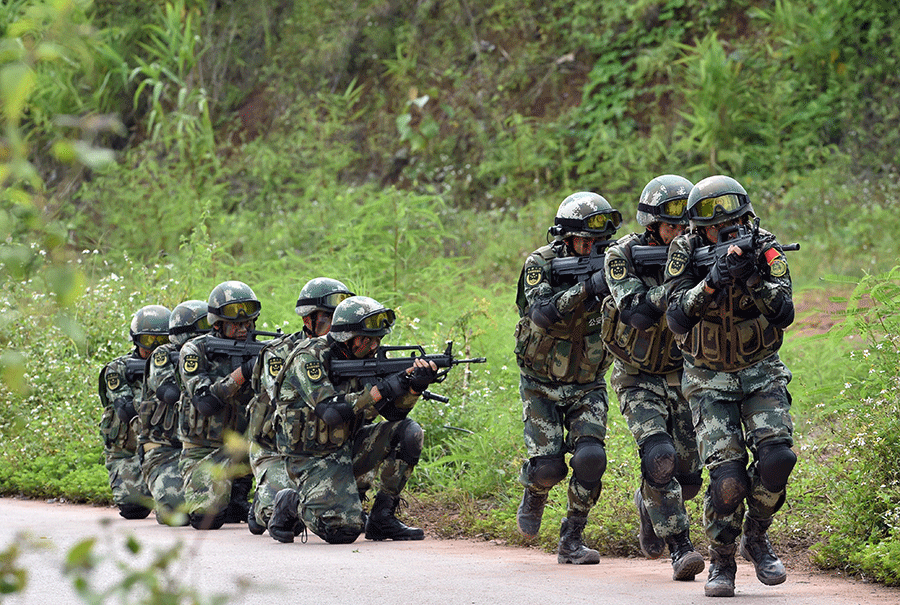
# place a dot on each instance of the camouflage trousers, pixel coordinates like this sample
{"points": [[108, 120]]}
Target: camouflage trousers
{"points": [[271, 476], [208, 474], [653, 404], [329, 493], [735, 412], [556, 416], [126, 480], [164, 479]]}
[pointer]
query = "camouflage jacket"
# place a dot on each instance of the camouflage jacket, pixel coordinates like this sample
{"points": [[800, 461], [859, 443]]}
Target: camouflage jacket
{"points": [[261, 410], [737, 326], [159, 420], [119, 385]]}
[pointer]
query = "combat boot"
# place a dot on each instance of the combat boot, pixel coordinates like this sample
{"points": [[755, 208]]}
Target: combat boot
{"points": [[571, 548], [207, 520], [756, 548], [722, 570], [531, 509], [238, 502], [284, 524], [382, 524], [686, 562], [651, 545], [253, 525]]}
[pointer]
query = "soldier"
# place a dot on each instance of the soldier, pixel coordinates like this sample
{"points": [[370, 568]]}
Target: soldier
{"points": [[316, 303], [729, 321], [158, 412], [216, 392], [647, 378], [121, 381], [324, 431], [562, 363]]}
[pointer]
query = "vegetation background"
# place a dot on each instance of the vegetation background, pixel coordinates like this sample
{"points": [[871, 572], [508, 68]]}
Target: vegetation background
{"points": [[417, 150]]}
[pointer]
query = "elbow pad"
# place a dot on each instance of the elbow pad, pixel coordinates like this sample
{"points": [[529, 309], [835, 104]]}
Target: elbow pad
{"points": [[335, 411], [544, 313], [168, 393], [207, 403], [125, 408], [641, 316], [679, 321], [784, 316]]}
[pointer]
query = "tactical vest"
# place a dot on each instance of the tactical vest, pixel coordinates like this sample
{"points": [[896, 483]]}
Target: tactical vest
{"points": [[261, 409], [159, 421], [119, 438], [733, 334], [569, 352], [653, 350]]}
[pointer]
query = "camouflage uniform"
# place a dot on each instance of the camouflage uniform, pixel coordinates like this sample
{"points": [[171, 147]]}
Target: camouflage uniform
{"points": [[119, 385], [208, 470], [159, 434], [266, 463], [734, 379], [324, 462], [562, 379], [647, 380]]}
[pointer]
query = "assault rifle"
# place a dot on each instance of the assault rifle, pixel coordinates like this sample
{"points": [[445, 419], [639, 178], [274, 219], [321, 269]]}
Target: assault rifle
{"points": [[747, 239], [135, 368], [579, 268], [392, 359], [239, 348]]}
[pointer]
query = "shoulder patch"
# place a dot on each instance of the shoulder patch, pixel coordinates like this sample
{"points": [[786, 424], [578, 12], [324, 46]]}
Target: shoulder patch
{"points": [[190, 363], [160, 358], [617, 268], [676, 264], [113, 381], [274, 365], [314, 371], [533, 276], [778, 267]]}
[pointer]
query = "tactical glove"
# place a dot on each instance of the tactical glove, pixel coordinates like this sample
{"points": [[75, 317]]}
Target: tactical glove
{"points": [[596, 285], [392, 387], [740, 267], [247, 368], [206, 401], [168, 393], [335, 411], [125, 408], [718, 277], [421, 377]]}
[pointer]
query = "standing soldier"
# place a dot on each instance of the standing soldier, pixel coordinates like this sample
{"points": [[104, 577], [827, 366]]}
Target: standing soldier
{"points": [[325, 433], [729, 321], [647, 378], [214, 402], [562, 362], [159, 413], [121, 382], [316, 303]]}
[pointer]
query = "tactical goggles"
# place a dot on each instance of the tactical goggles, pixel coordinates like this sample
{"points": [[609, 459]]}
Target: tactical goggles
{"points": [[201, 325], [329, 301], [373, 322], [672, 209], [600, 222], [236, 311], [723, 204], [151, 341]]}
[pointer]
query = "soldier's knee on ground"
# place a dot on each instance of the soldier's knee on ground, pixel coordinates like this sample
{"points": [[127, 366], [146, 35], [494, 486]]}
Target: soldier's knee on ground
{"points": [[658, 459], [728, 486], [775, 462], [588, 462], [546, 471], [133, 511], [411, 442], [690, 485]]}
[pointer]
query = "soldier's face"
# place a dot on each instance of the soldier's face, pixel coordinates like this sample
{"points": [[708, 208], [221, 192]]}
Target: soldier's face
{"points": [[669, 232], [712, 231], [237, 330], [582, 245], [318, 322], [364, 346]]}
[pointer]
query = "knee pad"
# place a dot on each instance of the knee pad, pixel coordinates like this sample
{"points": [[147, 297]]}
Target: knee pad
{"points": [[340, 535], [547, 471], [690, 485], [774, 464], [728, 486], [133, 511], [588, 462], [658, 460], [411, 441]]}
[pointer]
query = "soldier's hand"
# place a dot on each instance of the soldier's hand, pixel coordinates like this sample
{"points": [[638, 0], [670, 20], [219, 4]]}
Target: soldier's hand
{"points": [[596, 285], [718, 276], [423, 373], [740, 265], [334, 411]]}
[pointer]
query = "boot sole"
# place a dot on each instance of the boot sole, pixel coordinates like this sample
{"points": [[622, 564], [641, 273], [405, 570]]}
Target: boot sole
{"points": [[570, 561], [689, 569], [768, 581], [395, 539], [722, 591]]}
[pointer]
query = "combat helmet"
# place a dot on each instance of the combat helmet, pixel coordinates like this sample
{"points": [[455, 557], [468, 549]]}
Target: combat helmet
{"points": [[360, 316], [585, 214], [664, 200], [232, 301], [150, 326], [321, 294], [716, 199], [188, 320]]}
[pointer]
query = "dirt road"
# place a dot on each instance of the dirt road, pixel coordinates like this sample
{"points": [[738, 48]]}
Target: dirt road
{"points": [[257, 570]]}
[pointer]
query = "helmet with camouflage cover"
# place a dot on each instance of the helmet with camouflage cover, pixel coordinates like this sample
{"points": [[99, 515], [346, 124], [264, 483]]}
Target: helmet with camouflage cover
{"points": [[150, 326], [188, 319], [360, 316], [664, 200], [232, 301], [716, 199], [586, 214], [321, 294]]}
